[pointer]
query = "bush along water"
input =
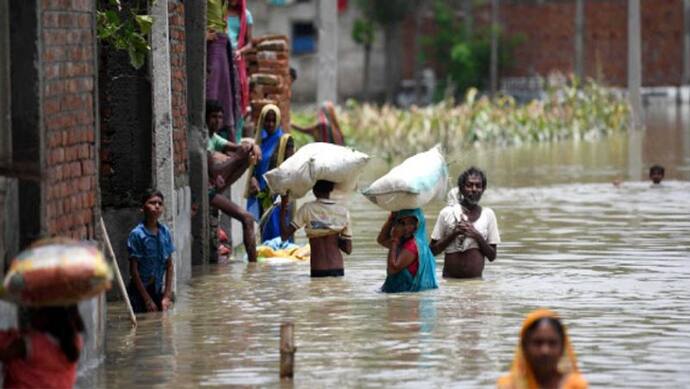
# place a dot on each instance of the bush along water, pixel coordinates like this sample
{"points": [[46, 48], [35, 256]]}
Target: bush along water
{"points": [[568, 110]]}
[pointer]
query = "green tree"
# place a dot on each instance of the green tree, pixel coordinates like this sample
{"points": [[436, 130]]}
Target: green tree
{"points": [[125, 29], [465, 56]]}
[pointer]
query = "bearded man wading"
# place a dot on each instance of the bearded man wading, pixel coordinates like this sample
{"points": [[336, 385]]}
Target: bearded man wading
{"points": [[465, 231]]}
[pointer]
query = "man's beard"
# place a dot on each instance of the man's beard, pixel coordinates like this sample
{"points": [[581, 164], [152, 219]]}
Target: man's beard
{"points": [[470, 200]]}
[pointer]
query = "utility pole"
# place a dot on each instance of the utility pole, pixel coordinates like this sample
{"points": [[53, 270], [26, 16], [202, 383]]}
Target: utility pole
{"points": [[634, 64], [493, 66], [579, 38], [686, 46], [327, 84], [467, 12]]}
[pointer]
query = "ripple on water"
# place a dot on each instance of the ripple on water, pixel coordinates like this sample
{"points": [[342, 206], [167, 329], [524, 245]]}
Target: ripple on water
{"points": [[612, 261]]}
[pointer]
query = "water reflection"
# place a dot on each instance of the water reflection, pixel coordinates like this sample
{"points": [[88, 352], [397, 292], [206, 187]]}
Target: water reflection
{"points": [[613, 261]]}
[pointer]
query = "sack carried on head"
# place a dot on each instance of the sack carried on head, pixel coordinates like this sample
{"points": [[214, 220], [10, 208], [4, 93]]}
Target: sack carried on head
{"points": [[317, 161], [412, 184], [59, 272]]}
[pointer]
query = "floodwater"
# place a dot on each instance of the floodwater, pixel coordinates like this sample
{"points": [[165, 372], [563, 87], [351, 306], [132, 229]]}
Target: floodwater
{"points": [[613, 261]]}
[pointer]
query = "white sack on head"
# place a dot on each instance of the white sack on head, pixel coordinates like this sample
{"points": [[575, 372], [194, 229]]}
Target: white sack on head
{"points": [[313, 162], [412, 184]]}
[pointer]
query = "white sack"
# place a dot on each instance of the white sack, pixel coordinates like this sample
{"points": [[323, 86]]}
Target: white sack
{"points": [[313, 162], [412, 184]]}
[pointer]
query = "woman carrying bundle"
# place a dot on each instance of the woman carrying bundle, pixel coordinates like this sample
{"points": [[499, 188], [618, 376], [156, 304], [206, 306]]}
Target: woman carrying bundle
{"points": [[411, 266]]}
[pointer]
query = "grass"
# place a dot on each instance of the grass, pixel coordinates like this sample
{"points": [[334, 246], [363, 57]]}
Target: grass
{"points": [[568, 110]]}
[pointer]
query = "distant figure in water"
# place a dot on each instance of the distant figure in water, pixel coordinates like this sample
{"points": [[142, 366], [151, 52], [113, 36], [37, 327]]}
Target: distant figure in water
{"points": [[465, 231], [544, 358], [411, 266], [656, 174], [327, 225], [326, 128]]}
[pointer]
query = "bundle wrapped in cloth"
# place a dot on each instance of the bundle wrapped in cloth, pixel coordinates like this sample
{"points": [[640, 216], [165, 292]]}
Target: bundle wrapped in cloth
{"points": [[317, 161], [60, 273], [412, 184]]}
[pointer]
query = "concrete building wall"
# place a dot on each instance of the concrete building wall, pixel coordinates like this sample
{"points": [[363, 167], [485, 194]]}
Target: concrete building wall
{"points": [[271, 19]]}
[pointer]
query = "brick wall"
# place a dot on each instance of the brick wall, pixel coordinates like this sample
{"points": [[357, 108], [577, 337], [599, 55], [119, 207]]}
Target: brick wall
{"points": [[548, 29], [179, 87], [68, 117]]}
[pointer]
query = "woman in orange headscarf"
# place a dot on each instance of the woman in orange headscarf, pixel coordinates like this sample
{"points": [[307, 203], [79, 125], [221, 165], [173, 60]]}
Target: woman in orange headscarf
{"points": [[544, 359]]}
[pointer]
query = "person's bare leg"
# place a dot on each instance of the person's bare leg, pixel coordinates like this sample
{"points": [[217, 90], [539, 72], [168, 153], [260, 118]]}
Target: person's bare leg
{"points": [[244, 217], [232, 168]]}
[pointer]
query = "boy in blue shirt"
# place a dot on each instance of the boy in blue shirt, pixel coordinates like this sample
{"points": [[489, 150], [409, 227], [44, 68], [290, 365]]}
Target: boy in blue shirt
{"points": [[150, 247]]}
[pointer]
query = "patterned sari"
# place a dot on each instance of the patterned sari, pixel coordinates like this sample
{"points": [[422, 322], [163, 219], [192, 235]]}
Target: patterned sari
{"points": [[425, 278], [521, 375], [328, 127]]}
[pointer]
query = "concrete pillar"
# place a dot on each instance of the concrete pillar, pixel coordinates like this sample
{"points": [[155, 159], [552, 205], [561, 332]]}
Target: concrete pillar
{"points": [[635, 64], [493, 65], [579, 38], [195, 48], [162, 156], [9, 239], [327, 87]]}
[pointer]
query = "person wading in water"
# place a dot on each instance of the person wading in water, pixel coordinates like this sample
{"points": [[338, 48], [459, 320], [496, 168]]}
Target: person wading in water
{"points": [[327, 225], [466, 232]]}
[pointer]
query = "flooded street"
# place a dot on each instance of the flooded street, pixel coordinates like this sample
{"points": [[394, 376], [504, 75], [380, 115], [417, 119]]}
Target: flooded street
{"points": [[613, 261]]}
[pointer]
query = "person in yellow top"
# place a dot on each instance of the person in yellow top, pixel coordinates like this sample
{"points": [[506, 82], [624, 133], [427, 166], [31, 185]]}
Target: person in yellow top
{"points": [[544, 358]]}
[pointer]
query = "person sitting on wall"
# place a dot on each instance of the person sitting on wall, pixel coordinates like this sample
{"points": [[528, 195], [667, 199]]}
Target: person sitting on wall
{"points": [[224, 170]]}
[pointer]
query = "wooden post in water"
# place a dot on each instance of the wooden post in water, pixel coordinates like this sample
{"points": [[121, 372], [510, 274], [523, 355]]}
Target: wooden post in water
{"points": [[287, 350]]}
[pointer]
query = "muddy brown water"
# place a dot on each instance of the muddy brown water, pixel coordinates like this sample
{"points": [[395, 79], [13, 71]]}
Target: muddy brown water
{"points": [[613, 261]]}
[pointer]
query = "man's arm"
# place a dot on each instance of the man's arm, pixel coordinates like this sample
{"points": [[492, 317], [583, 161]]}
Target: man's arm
{"points": [[166, 302], [345, 244], [437, 246], [134, 272], [305, 130], [286, 230], [488, 250]]}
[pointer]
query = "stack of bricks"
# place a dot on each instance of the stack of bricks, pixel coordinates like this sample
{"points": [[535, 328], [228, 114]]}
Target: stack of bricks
{"points": [[68, 59], [269, 72]]}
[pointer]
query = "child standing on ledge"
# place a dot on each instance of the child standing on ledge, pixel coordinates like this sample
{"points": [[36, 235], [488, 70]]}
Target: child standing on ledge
{"points": [[150, 247]]}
